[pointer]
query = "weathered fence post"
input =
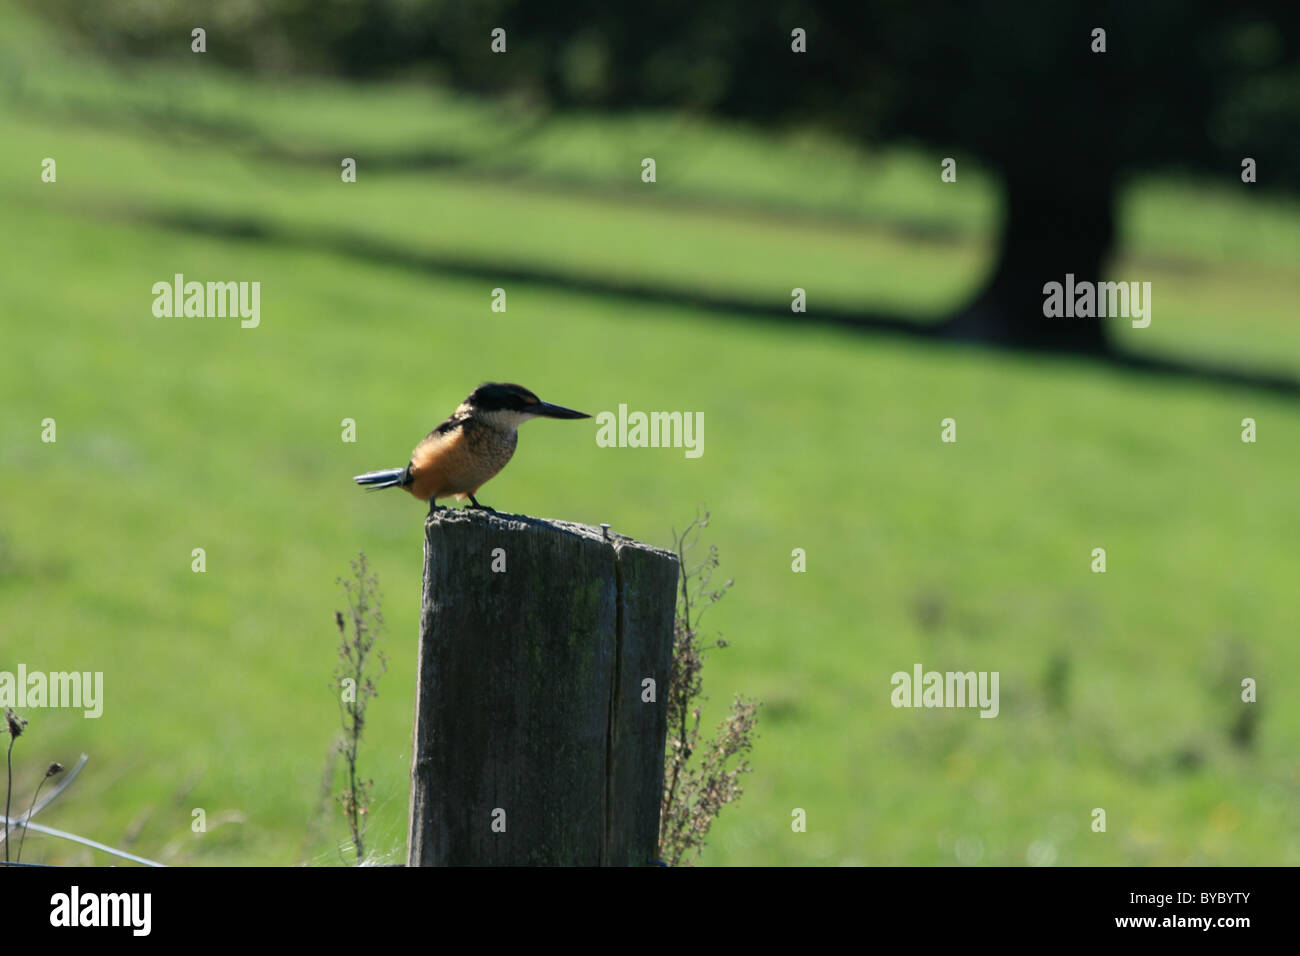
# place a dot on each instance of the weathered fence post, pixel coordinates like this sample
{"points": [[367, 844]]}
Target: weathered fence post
{"points": [[534, 739]]}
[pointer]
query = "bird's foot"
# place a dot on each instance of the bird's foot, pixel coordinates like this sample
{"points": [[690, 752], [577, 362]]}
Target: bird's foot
{"points": [[474, 504]]}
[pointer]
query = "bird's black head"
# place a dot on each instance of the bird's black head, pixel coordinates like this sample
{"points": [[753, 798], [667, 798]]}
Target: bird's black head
{"points": [[501, 397], [505, 397]]}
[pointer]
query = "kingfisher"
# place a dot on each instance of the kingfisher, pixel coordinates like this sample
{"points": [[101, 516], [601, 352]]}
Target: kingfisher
{"points": [[475, 442]]}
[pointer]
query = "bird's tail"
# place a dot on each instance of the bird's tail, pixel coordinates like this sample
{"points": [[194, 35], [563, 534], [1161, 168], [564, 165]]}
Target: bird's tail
{"points": [[388, 478]]}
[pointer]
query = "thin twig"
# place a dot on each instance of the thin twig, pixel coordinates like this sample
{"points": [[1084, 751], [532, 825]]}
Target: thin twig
{"points": [[63, 785], [9, 792], [54, 768]]}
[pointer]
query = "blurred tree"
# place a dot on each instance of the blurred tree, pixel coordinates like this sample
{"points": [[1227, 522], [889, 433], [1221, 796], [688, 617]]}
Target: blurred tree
{"points": [[1186, 84], [1195, 85]]}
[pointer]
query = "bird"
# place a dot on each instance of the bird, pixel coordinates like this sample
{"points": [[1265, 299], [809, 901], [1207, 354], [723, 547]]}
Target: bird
{"points": [[475, 442]]}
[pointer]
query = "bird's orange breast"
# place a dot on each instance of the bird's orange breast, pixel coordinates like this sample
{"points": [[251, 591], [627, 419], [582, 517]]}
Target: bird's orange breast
{"points": [[458, 462]]}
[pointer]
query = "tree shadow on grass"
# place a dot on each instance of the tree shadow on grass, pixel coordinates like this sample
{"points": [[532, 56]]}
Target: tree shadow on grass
{"points": [[368, 249]]}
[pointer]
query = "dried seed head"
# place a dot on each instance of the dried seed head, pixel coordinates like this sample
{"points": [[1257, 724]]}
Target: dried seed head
{"points": [[15, 723], [54, 768]]}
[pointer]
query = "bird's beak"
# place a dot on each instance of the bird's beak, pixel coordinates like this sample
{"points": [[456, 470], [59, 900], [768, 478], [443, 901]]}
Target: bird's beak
{"points": [[547, 410]]}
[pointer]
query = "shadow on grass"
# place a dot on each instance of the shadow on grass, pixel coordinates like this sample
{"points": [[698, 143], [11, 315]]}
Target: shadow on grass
{"points": [[867, 322], [481, 163]]}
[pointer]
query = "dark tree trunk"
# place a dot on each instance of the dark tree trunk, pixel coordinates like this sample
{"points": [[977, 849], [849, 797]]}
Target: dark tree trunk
{"points": [[1059, 219]]}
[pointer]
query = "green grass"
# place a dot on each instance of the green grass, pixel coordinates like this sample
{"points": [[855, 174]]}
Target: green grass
{"points": [[177, 434]]}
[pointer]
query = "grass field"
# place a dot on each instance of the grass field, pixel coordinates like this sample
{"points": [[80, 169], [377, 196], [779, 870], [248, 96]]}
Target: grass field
{"points": [[1119, 690]]}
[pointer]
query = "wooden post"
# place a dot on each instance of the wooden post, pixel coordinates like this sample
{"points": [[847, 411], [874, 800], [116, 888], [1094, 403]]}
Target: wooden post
{"points": [[532, 741]]}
